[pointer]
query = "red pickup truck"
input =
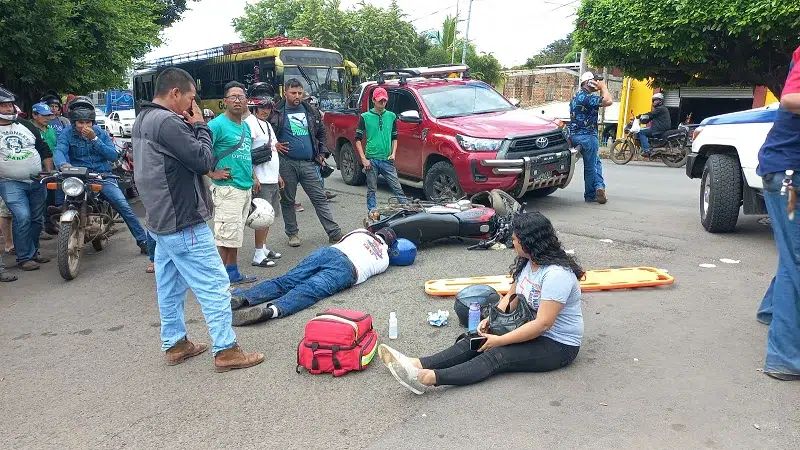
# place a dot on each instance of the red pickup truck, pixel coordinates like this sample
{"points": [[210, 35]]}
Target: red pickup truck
{"points": [[456, 136]]}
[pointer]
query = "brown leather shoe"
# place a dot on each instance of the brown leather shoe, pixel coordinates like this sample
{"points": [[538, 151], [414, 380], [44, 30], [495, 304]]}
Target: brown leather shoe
{"points": [[184, 350], [236, 358], [601, 196]]}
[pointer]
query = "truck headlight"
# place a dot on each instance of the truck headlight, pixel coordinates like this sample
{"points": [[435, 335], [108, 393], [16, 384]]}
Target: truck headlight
{"points": [[472, 144], [72, 187]]}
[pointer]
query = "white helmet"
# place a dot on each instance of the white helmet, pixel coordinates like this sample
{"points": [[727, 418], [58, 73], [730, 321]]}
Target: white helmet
{"points": [[262, 215]]}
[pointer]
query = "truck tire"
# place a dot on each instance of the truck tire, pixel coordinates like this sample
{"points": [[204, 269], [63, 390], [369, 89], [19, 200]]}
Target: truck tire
{"points": [[441, 183], [350, 166], [720, 193]]}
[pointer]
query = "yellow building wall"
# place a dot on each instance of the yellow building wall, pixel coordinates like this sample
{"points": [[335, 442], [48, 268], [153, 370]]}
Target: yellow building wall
{"points": [[770, 98], [636, 99]]}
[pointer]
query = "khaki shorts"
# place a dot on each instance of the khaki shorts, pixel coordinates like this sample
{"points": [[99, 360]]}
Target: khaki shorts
{"points": [[4, 211], [272, 194], [231, 207]]}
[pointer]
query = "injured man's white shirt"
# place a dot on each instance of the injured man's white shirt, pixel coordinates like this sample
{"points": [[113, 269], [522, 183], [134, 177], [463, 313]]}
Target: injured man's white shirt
{"points": [[370, 256]]}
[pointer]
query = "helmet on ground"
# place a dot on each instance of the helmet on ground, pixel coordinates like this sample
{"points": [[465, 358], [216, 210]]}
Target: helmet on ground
{"points": [[262, 215], [208, 114], [482, 294], [388, 235], [81, 108], [502, 203], [402, 253]]}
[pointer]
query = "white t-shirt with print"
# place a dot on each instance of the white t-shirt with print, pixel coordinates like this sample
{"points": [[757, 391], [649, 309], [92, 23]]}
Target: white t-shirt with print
{"points": [[370, 256], [19, 158], [558, 284], [262, 133]]}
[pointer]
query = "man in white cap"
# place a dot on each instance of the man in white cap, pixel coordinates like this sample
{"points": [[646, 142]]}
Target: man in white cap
{"points": [[583, 132]]}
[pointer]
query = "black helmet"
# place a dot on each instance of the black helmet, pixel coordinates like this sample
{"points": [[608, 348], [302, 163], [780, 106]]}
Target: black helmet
{"points": [[81, 108], [260, 90], [485, 295], [7, 96], [50, 99], [388, 235]]}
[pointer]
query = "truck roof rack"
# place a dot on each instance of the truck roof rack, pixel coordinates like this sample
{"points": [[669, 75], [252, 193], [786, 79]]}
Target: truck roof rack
{"points": [[436, 71]]}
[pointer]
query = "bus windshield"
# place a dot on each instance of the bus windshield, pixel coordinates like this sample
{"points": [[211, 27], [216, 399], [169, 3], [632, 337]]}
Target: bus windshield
{"points": [[325, 84]]}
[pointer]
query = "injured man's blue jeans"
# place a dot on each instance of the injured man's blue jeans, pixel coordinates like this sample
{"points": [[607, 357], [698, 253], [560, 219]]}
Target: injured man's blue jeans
{"points": [[321, 274]]}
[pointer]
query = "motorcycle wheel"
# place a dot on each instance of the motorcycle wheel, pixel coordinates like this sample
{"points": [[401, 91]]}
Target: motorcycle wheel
{"points": [[621, 152], [675, 156], [70, 247]]}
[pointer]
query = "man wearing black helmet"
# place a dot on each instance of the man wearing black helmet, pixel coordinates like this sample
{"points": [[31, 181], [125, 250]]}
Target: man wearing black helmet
{"points": [[85, 144], [659, 121], [22, 151], [58, 122]]}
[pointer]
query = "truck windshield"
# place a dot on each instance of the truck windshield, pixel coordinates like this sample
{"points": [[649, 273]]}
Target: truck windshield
{"points": [[325, 84], [459, 100]]}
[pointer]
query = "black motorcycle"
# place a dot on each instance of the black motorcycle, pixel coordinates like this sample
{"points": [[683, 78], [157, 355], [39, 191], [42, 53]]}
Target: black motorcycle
{"points": [[123, 169], [670, 146], [86, 216]]}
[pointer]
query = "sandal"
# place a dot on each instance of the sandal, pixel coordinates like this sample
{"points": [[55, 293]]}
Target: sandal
{"points": [[6, 277], [11, 251], [266, 262], [151, 268], [273, 255]]}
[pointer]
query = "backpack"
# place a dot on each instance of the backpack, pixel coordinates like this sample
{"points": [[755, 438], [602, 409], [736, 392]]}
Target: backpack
{"points": [[337, 341]]}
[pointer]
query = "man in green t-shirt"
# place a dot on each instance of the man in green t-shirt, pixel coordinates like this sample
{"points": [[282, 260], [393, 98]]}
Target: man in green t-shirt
{"points": [[232, 197], [41, 116], [380, 127]]}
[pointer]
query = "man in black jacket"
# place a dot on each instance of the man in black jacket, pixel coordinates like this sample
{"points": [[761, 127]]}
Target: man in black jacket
{"points": [[659, 121], [301, 143]]}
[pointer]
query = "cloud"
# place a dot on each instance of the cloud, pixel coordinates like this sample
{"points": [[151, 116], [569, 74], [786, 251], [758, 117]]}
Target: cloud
{"points": [[513, 30]]}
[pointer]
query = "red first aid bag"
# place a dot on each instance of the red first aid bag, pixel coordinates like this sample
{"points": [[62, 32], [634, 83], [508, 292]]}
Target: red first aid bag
{"points": [[337, 341]]}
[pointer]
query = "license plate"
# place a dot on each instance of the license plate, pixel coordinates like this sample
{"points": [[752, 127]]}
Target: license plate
{"points": [[545, 171]]}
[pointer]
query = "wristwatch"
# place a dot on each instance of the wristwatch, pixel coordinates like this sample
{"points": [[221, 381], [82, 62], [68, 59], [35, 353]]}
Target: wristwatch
{"points": [[95, 139]]}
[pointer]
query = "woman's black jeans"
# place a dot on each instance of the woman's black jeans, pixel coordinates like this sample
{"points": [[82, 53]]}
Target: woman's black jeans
{"points": [[460, 366]]}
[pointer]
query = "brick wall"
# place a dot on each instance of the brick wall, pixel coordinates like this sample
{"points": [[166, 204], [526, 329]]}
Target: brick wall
{"points": [[541, 88]]}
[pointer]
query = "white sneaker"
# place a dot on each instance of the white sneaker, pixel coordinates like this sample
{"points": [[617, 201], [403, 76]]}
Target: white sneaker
{"points": [[389, 355], [406, 375]]}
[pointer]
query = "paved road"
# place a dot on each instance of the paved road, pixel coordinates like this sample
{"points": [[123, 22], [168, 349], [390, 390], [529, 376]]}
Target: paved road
{"points": [[672, 367]]}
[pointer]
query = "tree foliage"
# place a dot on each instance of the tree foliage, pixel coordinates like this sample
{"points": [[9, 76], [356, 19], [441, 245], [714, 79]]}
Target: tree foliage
{"points": [[77, 46], [556, 52], [699, 42], [372, 37]]}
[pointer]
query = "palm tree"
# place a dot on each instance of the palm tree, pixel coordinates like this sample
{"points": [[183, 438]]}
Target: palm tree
{"points": [[446, 37]]}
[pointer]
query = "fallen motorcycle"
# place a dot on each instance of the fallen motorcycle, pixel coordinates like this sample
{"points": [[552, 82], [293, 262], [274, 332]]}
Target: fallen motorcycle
{"points": [[86, 217], [485, 217], [123, 169]]}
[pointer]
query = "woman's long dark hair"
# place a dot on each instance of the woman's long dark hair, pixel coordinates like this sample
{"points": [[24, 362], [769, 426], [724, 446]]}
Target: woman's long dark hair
{"points": [[539, 239]]}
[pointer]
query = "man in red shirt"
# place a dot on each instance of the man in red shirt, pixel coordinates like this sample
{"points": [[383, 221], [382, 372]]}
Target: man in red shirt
{"points": [[779, 166]]}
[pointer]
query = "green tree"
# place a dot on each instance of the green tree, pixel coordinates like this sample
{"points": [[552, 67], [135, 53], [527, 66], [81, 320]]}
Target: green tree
{"points": [[483, 66], [88, 44], [700, 42], [268, 18], [555, 53]]}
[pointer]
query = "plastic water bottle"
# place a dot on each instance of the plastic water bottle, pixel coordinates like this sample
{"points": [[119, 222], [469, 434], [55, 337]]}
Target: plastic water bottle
{"points": [[392, 325], [474, 316]]}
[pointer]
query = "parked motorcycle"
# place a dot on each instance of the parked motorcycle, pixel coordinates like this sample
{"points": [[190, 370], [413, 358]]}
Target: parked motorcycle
{"points": [[485, 217], [670, 146], [86, 216], [123, 169]]}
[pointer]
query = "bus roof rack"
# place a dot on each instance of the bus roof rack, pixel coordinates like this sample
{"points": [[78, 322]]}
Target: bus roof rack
{"points": [[436, 71]]}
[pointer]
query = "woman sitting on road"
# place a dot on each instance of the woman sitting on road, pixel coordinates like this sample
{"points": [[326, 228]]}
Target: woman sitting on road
{"points": [[547, 277]]}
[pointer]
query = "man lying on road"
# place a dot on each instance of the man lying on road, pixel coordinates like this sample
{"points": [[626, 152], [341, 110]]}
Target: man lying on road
{"points": [[328, 270]]}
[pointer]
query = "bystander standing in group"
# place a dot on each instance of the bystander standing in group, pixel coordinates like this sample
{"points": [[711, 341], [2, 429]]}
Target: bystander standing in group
{"points": [[57, 121], [265, 164], [22, 154], [377, 158], [172, 149], [232, 142], [301, 142], [779, 166], [583, 111]]}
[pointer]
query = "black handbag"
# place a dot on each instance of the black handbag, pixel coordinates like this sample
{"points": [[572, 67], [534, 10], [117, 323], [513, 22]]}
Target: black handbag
{"points": [[503, 322]]}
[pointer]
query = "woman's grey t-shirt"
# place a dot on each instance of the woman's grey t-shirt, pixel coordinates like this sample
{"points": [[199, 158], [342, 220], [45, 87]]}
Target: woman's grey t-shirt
{"points": [[558, 284]]}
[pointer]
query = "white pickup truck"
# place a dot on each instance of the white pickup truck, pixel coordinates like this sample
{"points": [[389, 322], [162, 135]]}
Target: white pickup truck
{"points": [[725, 156]]}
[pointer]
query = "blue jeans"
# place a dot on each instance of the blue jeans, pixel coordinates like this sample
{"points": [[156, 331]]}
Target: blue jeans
{"points": [[389, 172], [592, 167], [781, 304], [26, 201], [321, 274], [151, 248], [187, 260], [644, 135], [114, 195]]}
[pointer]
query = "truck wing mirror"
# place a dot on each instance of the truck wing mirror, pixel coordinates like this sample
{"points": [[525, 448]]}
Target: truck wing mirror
{"points": [[410, 116]]}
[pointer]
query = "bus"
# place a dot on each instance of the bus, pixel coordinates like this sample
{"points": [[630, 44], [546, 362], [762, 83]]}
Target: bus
{"points": [[112, 100], [326, 76]]}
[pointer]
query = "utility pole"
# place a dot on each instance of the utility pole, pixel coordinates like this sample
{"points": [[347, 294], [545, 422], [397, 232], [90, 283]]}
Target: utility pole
{"points": [[466, 35], [603, 109], [453, 44], [583, 62]]}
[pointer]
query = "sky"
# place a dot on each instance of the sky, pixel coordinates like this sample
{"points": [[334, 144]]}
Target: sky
{"points": [[513, 30]]}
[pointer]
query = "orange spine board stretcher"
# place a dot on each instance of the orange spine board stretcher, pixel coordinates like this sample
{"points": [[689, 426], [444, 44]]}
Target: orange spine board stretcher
{"points": [[595, 280]]}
